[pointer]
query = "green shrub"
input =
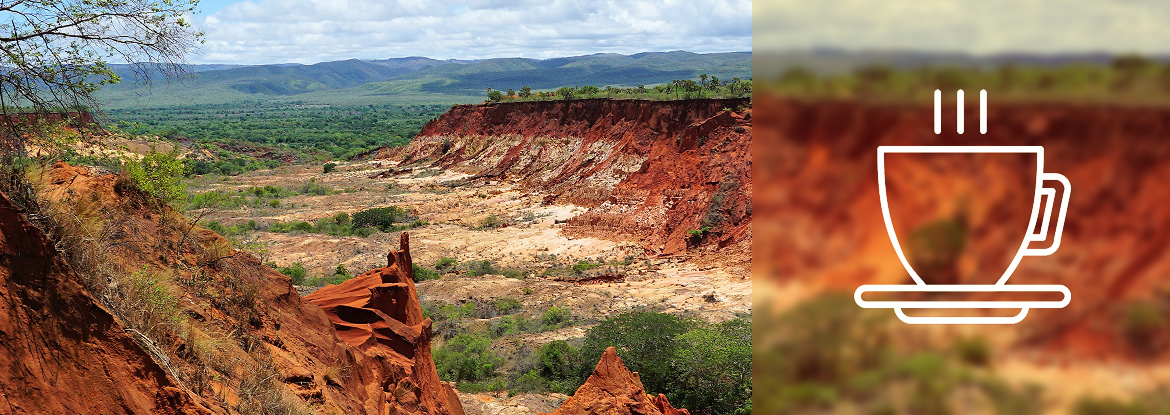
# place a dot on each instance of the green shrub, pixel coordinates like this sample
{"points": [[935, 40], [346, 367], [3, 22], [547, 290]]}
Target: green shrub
{"points": [[446, 263], [423, 273], [159, 175], [714, 363], [584, 265], [477, 268], [382, 218], [490, 222], [466, 357], [506, 305], [274, 203], [296, 273], [555, 318], [646, 341], [329, 167]]}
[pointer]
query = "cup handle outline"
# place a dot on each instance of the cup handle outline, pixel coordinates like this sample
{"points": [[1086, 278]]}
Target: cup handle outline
{"points": [[1049, 194]]}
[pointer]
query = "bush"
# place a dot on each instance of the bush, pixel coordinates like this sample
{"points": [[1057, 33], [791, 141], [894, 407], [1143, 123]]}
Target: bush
{"points": [[646, 341], [446, 263], [330, 167], [583, 265], [477, 268], [714, 363], [423, 273], [467, 357], [296, 273], [558, 360], [555, 318], [490, 222], [382, 218], [159, 175], [506, 305]]}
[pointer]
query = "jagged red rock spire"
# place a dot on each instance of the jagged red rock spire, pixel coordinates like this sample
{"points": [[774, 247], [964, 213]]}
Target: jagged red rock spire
{"points": [[613, 389], [379, 313]]}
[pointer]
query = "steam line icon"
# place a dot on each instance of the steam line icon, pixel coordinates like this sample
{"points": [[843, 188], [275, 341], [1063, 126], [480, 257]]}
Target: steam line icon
{"points": [[1043, 196]]}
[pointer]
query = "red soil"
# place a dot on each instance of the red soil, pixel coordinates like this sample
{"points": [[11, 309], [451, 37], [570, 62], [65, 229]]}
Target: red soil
{"points": [[236, 292], [822, 222], [613, 390], [649, 170], [60, 351]]}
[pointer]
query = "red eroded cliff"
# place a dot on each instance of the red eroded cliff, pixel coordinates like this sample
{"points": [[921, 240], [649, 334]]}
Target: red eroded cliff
{"points": [[378, 312], [648, 170], [279, 343], [821, 220], [60, 351]]}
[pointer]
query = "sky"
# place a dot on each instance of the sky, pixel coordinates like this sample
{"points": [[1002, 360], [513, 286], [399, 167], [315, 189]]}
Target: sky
{"points": [[975, 27], [310, 31]]}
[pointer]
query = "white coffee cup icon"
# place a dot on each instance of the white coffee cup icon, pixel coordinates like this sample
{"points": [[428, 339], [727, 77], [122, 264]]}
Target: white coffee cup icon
{"points": [[1043, 196]]}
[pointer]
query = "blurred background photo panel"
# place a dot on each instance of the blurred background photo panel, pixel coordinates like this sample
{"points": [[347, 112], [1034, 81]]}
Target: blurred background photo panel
{"points": [[963, 207]]}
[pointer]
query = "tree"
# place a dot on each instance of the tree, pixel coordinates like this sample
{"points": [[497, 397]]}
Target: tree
{"points": [[159, 175], [525, 92], [510, 93], [565, 92], [54, 52], [494, 95]]}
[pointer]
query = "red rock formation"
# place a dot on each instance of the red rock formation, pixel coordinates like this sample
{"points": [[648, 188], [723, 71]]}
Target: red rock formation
{"points": [[235, 290], [378, 312], [60, 351], [649, 170], [613, 390]]}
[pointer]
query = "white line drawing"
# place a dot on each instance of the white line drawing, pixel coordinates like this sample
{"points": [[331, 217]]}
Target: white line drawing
{"points": [[959, 125], [959, 112], [1044, 195], [982, 111]]}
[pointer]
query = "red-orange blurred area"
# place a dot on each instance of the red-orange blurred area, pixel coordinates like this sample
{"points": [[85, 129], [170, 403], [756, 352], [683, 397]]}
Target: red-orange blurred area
{"points": [[819, 233]]}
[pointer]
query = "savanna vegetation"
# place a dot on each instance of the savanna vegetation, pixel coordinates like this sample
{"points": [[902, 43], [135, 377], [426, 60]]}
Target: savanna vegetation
{"points": [[704, 87], [705, 367], [302, 131], [1127, 79]]}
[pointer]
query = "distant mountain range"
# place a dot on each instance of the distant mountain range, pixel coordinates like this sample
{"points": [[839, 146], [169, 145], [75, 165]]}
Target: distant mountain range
{"points": [[412, 79], [831, 61]]}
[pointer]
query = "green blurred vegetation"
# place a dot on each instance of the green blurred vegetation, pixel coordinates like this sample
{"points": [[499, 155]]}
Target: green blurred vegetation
{"points": [[827, 354], [703, 87], [1128, 79]]}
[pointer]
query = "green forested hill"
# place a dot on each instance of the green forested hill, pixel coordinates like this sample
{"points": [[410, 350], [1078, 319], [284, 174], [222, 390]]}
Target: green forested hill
{"points": [[412, 80]]}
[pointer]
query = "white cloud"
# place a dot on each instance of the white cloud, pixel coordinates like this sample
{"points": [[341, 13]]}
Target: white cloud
{"points": [[308, 31], [984, 26]]}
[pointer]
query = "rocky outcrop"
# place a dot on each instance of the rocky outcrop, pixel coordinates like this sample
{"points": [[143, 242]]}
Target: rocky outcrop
{"points": [[379, 313], [61, 352], [650, 171], [613, 390]]}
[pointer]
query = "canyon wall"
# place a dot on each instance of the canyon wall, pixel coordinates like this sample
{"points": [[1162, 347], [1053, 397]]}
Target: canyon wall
{"points": [[649, 171]]}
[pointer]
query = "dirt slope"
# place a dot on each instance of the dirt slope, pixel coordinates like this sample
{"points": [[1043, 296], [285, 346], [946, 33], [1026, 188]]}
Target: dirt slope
{"points": [[60, 351], [648, 170], [378, 312], [822, 224], [248, 340]]}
